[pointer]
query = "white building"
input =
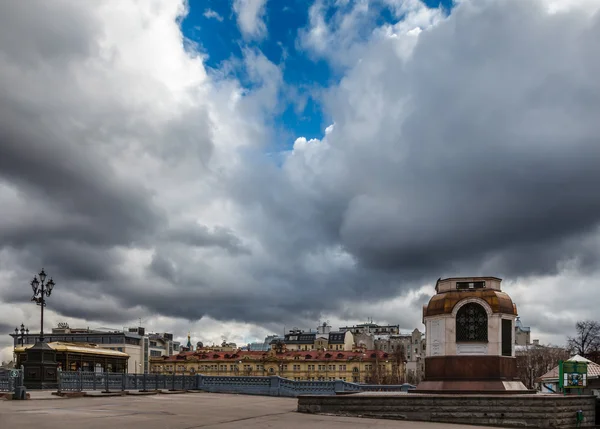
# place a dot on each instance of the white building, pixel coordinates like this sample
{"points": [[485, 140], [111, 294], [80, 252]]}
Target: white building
{"points": [[132, 341]]}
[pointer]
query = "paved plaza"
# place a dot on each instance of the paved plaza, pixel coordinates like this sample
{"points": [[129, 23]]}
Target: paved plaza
{"points": [[186, 411]]}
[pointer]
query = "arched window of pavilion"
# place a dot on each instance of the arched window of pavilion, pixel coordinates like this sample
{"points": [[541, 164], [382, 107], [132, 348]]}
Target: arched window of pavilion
{"points": [[471, 323]]}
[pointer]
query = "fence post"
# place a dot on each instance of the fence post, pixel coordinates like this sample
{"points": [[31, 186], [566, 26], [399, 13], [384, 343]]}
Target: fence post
{"points": [[80, 380], [339, 386], [106, 381], [173, 381], [59, 379], [123, 381], [274, 385], [94, 380], [144, 382]]}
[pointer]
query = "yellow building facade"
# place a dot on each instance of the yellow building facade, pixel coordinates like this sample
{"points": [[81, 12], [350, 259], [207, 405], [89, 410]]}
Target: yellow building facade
{"points": [[315, 365]]}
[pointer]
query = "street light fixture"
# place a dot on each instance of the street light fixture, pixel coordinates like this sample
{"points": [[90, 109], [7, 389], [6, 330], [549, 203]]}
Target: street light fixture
{"points": [[41, 290], [24, 333], [40, 366]]}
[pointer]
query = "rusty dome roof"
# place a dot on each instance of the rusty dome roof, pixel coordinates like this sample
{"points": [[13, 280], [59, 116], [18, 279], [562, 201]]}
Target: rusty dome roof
{"points": [[444, 302]]}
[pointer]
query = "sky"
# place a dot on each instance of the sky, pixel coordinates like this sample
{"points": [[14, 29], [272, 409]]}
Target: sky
{"points": [[236, 168]]}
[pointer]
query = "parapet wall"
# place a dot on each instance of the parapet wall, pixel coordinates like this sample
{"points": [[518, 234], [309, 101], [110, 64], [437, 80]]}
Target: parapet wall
{"points": [[539, 411]]}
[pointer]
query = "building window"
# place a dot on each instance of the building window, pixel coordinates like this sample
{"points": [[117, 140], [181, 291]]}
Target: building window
{"points": [[507, 341], [471, 323]]}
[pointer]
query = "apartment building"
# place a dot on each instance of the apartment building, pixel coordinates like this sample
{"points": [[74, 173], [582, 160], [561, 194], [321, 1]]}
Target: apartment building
{"points": [[323, 338], [316, 365], [389, 339], [522, 334]]}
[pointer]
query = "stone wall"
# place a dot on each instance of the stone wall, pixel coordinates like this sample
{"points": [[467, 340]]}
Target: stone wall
{"points": [[540, 411]]}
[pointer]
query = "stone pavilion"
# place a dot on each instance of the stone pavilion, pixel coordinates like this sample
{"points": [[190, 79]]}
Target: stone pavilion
{"points": [[470, 325]]}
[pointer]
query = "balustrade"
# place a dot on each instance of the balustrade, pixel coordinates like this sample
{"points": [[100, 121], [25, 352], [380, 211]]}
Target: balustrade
{"points": [[10, 379], [257, 385]]}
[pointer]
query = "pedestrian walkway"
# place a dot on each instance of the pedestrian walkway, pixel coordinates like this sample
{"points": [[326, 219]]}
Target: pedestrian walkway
{"points": [[207, 411]]}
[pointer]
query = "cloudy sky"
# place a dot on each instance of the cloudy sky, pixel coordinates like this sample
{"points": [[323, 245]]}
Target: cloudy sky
{"points": [[231, 168]]}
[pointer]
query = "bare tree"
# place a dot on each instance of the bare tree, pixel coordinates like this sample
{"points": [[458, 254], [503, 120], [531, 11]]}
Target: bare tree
{"points": [[534, 361], [398, 358], [374, 374], [587, 340], [411, 377]]}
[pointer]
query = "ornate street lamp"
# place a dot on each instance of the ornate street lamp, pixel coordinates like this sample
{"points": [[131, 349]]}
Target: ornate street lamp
{"points": [[41, 290], [41, 368], [24, 333]]}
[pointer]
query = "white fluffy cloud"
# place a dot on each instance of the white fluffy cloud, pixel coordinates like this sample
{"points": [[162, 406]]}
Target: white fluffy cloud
{"points": [[251, 18], [211, 14]]}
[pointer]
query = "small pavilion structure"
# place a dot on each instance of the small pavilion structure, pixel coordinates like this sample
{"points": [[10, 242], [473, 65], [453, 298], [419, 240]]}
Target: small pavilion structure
{"points": [[470, 325], [81, 356]]}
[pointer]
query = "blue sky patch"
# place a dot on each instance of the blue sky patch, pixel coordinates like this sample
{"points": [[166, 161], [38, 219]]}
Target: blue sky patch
{"points": [[212, 25]]}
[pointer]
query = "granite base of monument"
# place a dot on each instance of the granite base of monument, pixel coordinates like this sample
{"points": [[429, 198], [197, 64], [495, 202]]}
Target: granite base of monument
{"points": [[471, 375], [531, 411]]}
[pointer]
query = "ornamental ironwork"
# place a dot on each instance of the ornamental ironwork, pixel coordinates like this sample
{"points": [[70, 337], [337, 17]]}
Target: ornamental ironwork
{"points": [[471, 323]]}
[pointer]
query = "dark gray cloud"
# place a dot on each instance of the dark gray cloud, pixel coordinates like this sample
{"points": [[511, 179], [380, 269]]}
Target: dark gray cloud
{"points": [[201, 236], [5, 327], [129, 176]]}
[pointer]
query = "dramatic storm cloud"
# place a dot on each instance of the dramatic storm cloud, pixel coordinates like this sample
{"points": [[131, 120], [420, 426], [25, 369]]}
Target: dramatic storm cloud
{"points": [[151, 185]]}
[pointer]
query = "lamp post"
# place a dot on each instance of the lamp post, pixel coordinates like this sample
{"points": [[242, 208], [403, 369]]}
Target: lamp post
{"points": [[41, 290], [41, 368]]}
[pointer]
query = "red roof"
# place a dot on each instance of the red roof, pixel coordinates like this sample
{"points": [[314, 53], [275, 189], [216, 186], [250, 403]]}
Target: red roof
{"points": [[288, 355]]}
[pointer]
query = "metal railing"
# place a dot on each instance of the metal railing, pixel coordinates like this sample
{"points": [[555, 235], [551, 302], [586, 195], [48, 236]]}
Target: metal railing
{"points": [[254, 385], [10, 379]]}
